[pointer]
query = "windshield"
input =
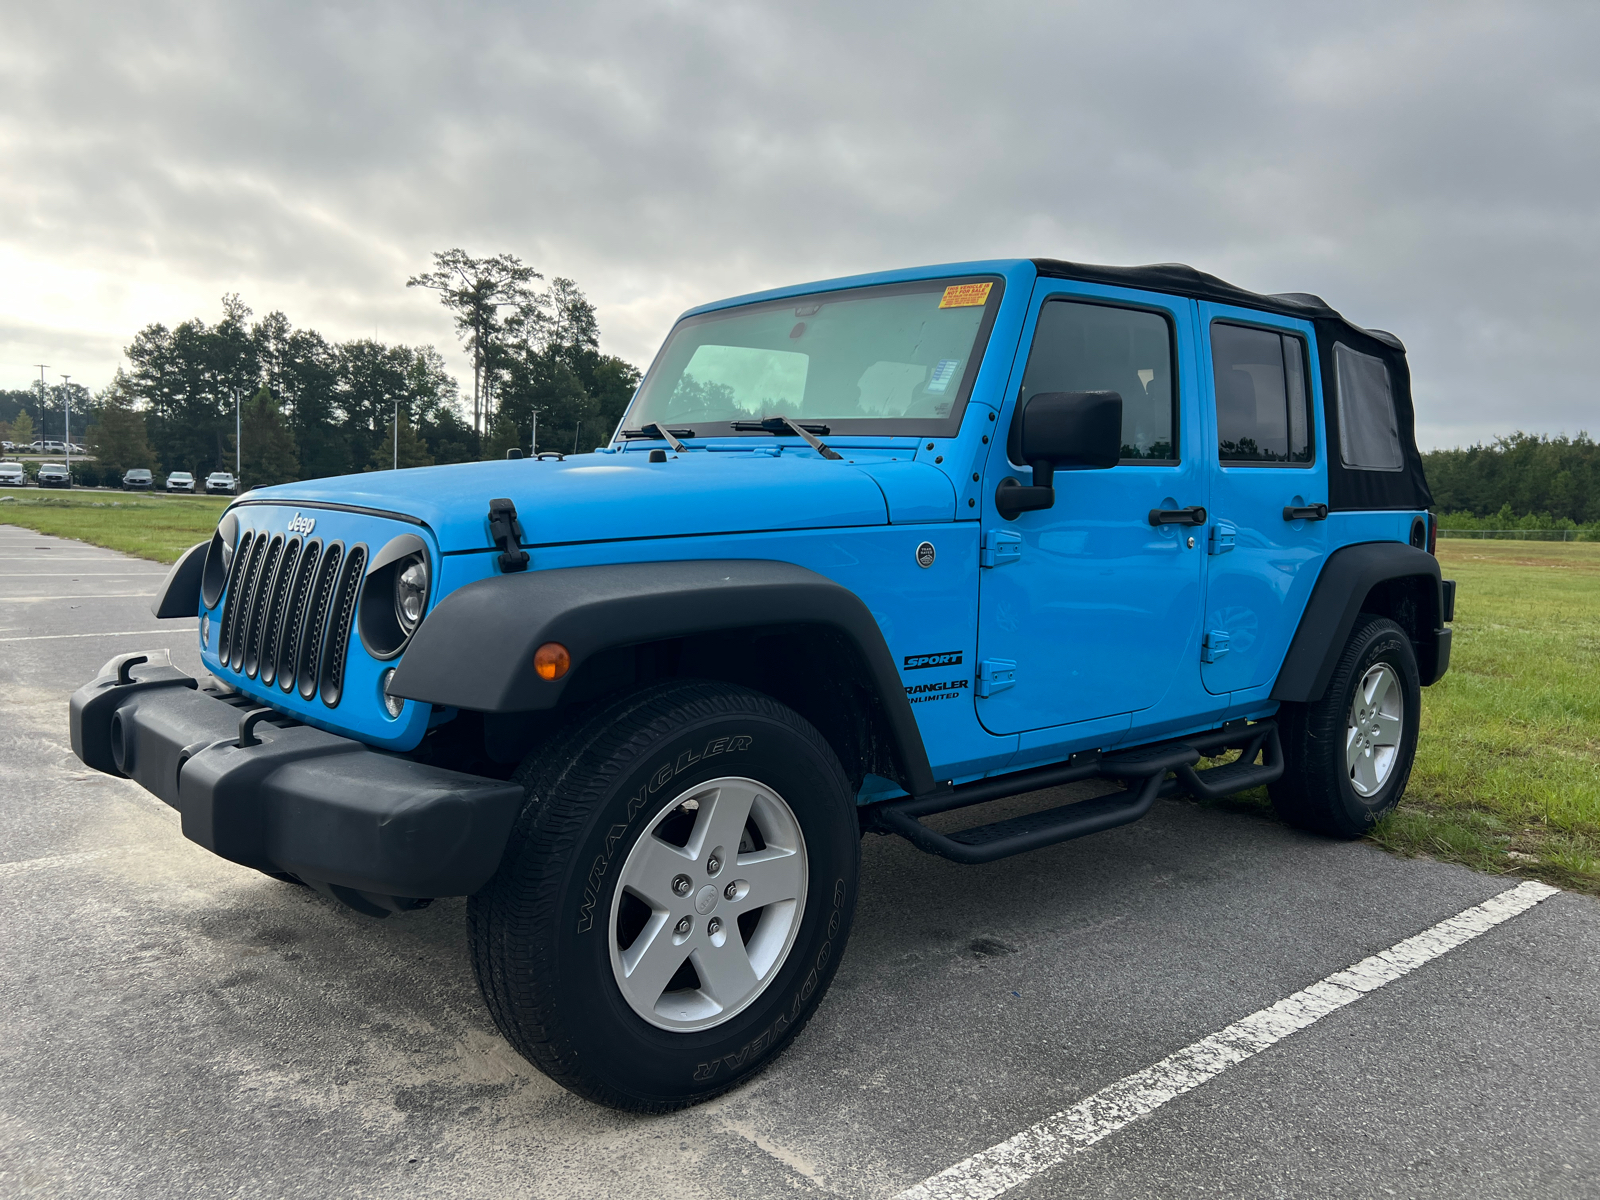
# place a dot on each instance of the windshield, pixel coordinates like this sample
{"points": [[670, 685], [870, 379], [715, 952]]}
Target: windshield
{"points": [[894, 359]]}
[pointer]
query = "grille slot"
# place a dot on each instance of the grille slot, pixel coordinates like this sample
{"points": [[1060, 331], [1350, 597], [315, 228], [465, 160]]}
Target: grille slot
{"points": [[316, 624], [273, 635], [248, 580], [295, 612], [260, 602], [230, 610], [342, 613]]}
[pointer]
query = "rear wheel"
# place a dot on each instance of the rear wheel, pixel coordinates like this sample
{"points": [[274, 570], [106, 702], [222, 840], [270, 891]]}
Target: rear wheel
{"points": [[1348, 755], [675, 896]]}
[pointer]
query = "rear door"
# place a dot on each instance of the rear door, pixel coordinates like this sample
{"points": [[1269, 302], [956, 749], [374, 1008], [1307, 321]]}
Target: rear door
{"points": [[1086, 609], [1268, 461]]}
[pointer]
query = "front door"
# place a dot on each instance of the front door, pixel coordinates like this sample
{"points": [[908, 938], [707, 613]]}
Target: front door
{"points": [[1089, 610], [1265, 548]]}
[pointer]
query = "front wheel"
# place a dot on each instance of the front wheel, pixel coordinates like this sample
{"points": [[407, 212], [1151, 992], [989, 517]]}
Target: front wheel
{"points": [[1348, 756], [675, 896]]}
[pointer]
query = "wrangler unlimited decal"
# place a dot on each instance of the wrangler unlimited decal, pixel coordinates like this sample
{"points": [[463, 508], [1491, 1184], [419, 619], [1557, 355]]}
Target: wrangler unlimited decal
{"points": [[919, 693]]}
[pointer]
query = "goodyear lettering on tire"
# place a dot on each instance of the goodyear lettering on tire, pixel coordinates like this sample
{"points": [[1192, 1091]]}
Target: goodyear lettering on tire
{"points": [[769, 1036]]}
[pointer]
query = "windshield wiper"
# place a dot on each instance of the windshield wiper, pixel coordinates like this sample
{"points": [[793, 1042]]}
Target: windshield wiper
{"points": [[778, 425], [660, 432]]}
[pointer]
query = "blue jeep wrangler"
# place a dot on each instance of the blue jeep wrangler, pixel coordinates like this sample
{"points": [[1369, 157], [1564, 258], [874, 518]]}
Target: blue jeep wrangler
{"points": [[861, 552]]}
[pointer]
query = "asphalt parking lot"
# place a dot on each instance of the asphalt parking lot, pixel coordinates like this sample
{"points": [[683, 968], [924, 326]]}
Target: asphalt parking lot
{"points": [[171, 1024]]}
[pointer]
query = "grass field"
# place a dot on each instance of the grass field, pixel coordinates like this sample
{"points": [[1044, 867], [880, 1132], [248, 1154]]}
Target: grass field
{"points": [[1507, 777], [147, 524], [1508, 767]]}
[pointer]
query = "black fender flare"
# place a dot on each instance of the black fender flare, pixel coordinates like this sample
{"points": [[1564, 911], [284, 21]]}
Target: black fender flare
{"points": [[179, 593], [1347, 579], [475, 649]]}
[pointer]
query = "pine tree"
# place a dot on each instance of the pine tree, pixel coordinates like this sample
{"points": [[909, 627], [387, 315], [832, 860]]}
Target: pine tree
{"points": [[22, 429], [502, 437], [269, 453], [120, 441], [412, 450]]}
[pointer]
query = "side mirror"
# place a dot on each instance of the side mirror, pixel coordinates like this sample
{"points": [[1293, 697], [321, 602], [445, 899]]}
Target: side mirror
{"points": [[1060, 431]]}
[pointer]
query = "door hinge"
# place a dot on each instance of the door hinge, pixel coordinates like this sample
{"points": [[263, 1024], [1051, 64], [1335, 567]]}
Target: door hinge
{"points": [[1223, 535], [1214, 646], [996, 675], [1000, 546]]}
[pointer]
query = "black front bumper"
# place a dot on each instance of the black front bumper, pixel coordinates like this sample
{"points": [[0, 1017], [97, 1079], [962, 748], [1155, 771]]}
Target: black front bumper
{"points": [[370, 828]]}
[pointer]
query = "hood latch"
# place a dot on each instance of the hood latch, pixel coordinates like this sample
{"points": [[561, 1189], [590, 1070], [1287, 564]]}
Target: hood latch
{"points": [[506, 532]]}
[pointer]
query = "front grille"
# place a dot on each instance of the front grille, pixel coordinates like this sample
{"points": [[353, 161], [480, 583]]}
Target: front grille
{"points": [[288, 612]]}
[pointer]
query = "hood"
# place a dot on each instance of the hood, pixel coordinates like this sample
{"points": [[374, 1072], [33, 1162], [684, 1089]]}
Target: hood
{"points": [[610, 497]]}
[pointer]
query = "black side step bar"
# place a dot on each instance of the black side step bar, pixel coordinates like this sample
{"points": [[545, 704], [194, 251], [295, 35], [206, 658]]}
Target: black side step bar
{"points": [[1143, 772]]}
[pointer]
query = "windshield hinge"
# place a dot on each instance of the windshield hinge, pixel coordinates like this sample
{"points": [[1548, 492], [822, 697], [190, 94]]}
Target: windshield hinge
{"points": [[1000, 546], [506, 532]]}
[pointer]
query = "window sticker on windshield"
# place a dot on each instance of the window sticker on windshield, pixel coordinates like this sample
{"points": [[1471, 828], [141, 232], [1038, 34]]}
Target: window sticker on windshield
{"points": [[943, 373], [965, 295]]}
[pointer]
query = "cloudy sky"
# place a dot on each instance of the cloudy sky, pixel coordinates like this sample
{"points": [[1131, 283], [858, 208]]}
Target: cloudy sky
{"points": [[1431, 169]]}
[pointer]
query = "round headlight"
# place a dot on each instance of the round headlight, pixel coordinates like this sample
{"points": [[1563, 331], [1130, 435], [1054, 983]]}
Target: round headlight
{"points": [[411, 592]]}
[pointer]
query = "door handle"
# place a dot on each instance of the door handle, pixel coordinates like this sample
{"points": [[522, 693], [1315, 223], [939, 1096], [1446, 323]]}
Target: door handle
{"points": [[1193, 515], [1310, 512]]}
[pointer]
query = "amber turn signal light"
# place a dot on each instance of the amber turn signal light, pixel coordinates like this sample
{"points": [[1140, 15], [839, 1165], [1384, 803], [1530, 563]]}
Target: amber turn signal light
{"points": [[551, 661]]}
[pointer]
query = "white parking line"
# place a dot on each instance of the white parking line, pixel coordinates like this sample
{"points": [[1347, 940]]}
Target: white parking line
{"points": [[78, 596], [81, 574], [1052, 1141], [52, 637]]}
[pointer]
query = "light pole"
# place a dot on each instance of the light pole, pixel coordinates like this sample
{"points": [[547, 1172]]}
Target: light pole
{"points": [[66, 425], [397, 433], [238, 448], [43, 367]]}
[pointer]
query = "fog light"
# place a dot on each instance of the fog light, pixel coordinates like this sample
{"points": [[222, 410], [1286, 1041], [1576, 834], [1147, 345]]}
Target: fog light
{"points": [[391, 704], [551, 661], [205, 631]]}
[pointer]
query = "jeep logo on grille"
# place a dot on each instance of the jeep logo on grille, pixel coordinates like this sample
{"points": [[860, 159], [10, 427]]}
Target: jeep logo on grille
{"points": [[302, 524]]}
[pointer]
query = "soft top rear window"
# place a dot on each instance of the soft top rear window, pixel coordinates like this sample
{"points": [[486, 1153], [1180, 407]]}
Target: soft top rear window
{"points": [[1369, 432], [892, 359]]}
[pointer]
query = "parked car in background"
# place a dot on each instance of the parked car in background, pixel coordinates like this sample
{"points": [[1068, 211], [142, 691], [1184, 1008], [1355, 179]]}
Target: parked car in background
{"points": [[7, 447], [77, 449], [180, 481], [11, 474], [54, 475], [220, 483], [136, 480], [36, 447]]}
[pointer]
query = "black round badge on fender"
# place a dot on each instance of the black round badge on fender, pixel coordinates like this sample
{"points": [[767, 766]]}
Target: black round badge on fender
{"points": [[618, 864], [925, 554]]}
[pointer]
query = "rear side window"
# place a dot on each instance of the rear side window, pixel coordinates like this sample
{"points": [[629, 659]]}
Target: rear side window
{"points": [[1263, 412], [1369, 434], [1080, 347]]}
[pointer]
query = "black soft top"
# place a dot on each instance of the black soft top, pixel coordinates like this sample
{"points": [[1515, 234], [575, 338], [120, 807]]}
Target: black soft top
{"points": [[1348, 487]]}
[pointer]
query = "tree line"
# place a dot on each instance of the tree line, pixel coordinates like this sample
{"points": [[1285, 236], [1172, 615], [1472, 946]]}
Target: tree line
{"points": [[309, 407], [1521, 477]]}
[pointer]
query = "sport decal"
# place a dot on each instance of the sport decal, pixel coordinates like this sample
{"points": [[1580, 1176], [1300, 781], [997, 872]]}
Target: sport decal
{"points": [[945, 658]]}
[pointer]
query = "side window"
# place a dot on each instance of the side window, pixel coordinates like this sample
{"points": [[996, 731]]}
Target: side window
{"points": [[1263, 413], [1080, 347], [1369, 434]]}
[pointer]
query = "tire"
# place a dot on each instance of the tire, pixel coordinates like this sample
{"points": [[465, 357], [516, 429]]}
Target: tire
{"points": [[624, 809], [1346, 762]]}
